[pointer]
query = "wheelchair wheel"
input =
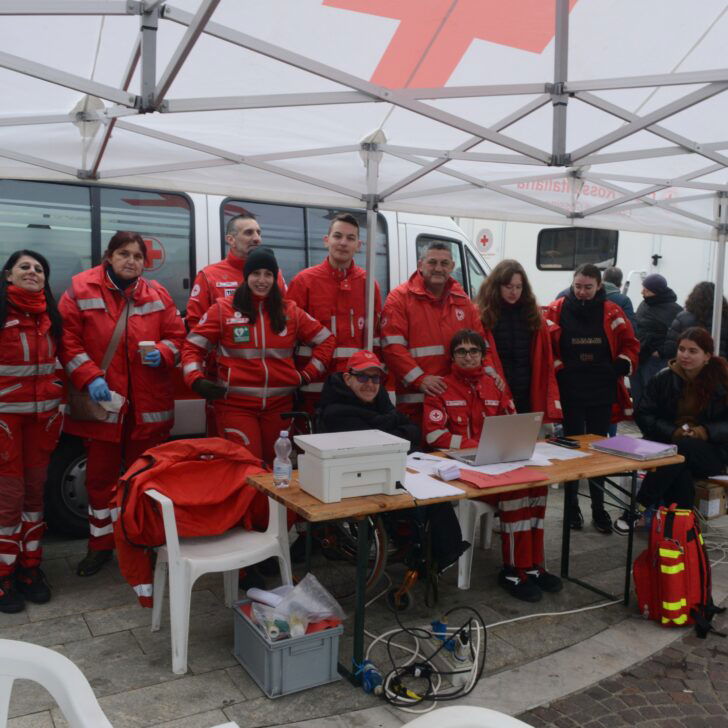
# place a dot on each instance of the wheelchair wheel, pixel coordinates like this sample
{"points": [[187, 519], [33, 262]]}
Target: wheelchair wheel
{"points": [[335, 568]]}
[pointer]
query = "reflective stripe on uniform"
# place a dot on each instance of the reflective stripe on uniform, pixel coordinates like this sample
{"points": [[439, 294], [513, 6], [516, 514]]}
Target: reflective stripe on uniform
{"points": [[260, 391], [86, 304], [619, 321], [304, 351], [670, 553], [24, 344], [147, 308], [100, 531], [171, 346], [10, 530], [199, 340], [31, 516], [678, 620], [239, 433], [9, 389], [675, 606], [410, 398], [435, 435], [318, 364], [44, 405], [456, 441], [344, 352], [255, 353], [163, 416], [514, 504], [144, 590], [26, 370], [392, 340], [418, 351], [320, 337], [192, 367], [315, 387], [76, 362], [413, 374], [676, 569]]}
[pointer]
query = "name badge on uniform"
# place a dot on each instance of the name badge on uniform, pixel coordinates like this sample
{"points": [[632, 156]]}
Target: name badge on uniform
{"points": [[241, 334]]}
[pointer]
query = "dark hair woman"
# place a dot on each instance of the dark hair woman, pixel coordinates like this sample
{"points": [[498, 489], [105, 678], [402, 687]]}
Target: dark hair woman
{"points": [[594, 350], [687, 404], [508, 309], [454, 419], [254, 335], [122, 334], [698, 312], [30, 422]]}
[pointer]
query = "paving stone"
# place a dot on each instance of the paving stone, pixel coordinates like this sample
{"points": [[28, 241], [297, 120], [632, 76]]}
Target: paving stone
{"points": [[34, 720], [49, 631], [208, 719]]}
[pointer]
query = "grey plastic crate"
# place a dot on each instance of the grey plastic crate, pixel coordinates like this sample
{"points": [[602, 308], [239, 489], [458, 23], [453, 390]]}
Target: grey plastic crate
{"points": [[289, 665]]}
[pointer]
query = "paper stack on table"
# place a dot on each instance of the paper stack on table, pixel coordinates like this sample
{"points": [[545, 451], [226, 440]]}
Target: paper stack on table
{"points": [[554, 452], [422, 486], [448, 470]]}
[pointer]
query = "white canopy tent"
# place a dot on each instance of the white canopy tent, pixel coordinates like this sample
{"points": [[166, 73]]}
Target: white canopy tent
{"points": [[598, 113]]}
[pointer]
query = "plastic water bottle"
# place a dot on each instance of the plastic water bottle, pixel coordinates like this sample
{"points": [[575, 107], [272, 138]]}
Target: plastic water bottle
{"points": [[371, 678], [282, 466]]}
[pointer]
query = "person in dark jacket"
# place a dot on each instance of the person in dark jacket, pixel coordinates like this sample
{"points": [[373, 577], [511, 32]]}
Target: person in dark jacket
{"points": [[612, 282], [686, 404], [698, 312], [356, 400], [654, 316]]}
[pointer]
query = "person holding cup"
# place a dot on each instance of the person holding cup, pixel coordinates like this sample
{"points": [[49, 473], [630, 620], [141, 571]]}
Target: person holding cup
{"points": [[122, 336]]}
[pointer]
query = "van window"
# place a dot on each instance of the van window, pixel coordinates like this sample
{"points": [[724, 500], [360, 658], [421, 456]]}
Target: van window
{"points": [[456, 248], [568, 248], [296, 235], [71, 225], [164, 221], [52, 219], [476, 274]]}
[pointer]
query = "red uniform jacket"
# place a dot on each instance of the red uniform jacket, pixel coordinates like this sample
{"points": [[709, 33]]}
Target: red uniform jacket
{"points": [[544, 392], [255, 363], [416, 332], [336, 299], [90, 308], [219, 280], [454, 419], [177, 469], [29, 383], [622, 343]]}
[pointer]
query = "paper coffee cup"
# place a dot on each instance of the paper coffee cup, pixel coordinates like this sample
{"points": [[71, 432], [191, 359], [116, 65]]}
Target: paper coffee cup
{"points": [[145, 347]]}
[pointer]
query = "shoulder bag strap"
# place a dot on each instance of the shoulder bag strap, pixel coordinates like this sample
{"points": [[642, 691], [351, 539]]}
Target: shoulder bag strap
{"points": [[116, 336]]}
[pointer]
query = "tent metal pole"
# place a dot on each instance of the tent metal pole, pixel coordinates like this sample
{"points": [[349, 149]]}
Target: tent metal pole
{"points": [[722, 219], [373, 158], [561, 68], [70, 7], [148, 49]]}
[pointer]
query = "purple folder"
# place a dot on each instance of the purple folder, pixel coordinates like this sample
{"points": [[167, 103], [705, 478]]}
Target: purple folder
{"points": [[634, 447]]}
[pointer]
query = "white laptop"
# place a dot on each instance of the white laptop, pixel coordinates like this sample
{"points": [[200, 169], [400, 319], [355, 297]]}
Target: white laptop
{"points": [[504, 439]]}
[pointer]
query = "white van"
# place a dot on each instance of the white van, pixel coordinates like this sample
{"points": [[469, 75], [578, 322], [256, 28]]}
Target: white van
{"points": [[551, 254], [71, 223]]}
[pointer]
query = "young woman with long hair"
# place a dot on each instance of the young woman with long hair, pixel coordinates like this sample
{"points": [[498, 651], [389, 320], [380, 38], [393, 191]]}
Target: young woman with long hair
{"points": [[687, 404], [108, 311], [30, 422], [254, 335], [508, 309]]}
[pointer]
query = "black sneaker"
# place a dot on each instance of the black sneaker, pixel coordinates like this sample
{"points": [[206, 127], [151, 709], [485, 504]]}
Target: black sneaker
{"points": [[518, 585], [602, 522], [622, 524], [32, 584], [576, 520], [11, 600], [545, 581], [93, 562]]}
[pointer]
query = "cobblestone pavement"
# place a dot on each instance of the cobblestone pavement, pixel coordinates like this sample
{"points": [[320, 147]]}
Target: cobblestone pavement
{"points": [[684, 685]]}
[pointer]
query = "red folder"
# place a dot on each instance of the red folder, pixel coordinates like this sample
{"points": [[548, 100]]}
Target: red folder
{"points": [[512, 477]]}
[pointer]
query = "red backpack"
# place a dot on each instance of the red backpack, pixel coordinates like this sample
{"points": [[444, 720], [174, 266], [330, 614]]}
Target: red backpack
{"points": [[672, 575]]}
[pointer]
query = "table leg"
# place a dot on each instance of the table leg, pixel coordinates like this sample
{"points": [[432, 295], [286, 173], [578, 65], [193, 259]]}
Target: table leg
{"points": [[565, 536], [630, 538]]}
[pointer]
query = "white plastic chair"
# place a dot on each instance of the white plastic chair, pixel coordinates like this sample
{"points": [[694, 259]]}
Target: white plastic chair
{"points": [[57, 674], [187, 559], [465, 716], [469, 513]]}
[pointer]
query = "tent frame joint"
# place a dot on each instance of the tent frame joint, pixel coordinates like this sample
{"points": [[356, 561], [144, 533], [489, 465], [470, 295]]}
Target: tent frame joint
{"points": [[86, 174], [372, 201], [560, 160]]}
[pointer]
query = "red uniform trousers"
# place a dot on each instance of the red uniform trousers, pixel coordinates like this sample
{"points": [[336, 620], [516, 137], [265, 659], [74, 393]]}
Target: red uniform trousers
{"points": [[521, 516], [105, 463], [26, 444]]}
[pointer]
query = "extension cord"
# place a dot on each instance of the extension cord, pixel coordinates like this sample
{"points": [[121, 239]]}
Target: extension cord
{"points": [[446, 662]]}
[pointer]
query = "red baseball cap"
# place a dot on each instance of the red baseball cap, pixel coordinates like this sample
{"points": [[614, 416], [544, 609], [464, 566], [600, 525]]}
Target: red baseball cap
{"points": [[364, 360]]}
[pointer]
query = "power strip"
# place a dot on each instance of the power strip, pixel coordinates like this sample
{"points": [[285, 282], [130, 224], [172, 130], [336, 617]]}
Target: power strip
{"points": [[446, 662]]}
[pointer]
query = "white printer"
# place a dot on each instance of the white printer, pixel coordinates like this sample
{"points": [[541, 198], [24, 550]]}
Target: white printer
{"points": [[345, 464]]}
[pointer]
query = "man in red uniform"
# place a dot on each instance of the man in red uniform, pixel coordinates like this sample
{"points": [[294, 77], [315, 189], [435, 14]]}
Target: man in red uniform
{"points": [[334, 293], [419, 319], [220, 280]]}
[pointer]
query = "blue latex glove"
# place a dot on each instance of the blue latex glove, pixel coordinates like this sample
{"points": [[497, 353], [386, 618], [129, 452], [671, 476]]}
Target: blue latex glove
{"points": [[99, 390], [152, 358]]}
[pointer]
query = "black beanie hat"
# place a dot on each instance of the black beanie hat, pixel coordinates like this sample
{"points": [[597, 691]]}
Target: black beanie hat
{"points": [[261, 258]]}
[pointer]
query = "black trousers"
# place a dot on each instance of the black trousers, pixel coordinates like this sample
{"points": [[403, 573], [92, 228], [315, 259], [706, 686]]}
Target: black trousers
{"points": [[674, 483], [586, 420]]}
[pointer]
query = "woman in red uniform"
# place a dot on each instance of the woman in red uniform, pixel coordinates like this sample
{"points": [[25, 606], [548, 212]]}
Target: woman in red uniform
{"points": [[254, 335], [30, 422], [107, 312], [454, 419]]}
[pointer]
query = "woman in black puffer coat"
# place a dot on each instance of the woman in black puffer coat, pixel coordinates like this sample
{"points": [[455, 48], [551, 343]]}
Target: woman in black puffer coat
{"points": [[698, 312], [686, 404]]}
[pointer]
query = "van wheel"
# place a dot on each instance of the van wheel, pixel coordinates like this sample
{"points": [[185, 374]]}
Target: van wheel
{"points": [[66, 502]]}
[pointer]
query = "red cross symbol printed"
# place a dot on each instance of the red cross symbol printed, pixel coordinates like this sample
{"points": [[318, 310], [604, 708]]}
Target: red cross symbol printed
{"points": [[434, 35], [155, 254]]}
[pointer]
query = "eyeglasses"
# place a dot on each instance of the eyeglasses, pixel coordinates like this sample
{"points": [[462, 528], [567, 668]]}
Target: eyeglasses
{"points": [[364, 378], [463, 352]]}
